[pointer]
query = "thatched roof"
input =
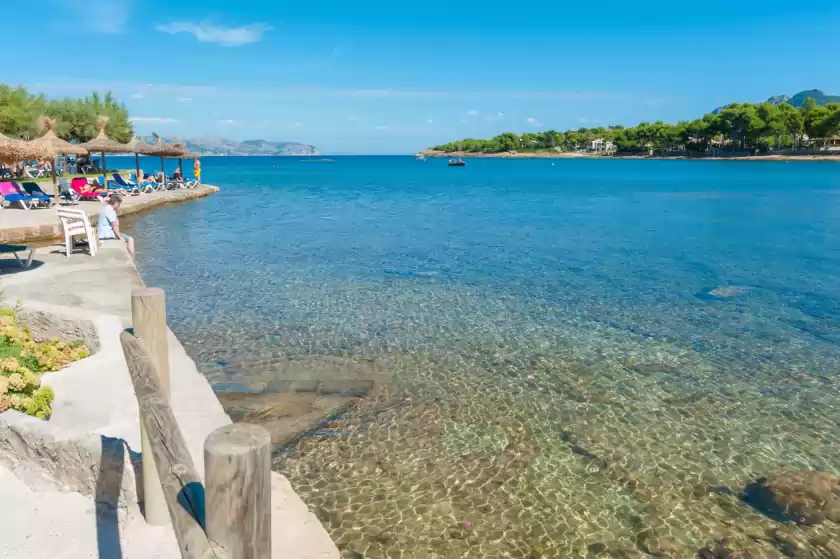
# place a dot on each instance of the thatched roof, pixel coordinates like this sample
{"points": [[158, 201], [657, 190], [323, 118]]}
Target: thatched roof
{"points": [[13, 151], [136, 145], [55, 144], [189, 155], [162, 149], [104, 144]]}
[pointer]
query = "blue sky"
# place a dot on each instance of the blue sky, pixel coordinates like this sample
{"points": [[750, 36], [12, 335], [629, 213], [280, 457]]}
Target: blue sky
{"points": [[395, 77]]}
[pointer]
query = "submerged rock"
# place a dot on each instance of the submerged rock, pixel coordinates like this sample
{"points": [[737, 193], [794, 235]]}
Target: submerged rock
{"points": [[804, 497], [725, 292]]}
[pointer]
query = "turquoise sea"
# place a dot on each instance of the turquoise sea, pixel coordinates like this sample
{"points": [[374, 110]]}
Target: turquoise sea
{"points": [[588, 357]]}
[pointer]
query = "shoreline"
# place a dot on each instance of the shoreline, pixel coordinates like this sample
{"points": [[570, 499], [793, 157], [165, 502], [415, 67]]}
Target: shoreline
{"points": [[81, 467], [43, 225], [572, 155]]}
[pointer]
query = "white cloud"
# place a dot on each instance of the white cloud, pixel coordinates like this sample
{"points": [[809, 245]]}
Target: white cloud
{"points": [[154, 119], [183, 99], [224, 36], [227, 122], [498, 116], [381, 127], [463, 121], [353, 118], [473, 113], [430, 121], [532, 121], [137, 95]]}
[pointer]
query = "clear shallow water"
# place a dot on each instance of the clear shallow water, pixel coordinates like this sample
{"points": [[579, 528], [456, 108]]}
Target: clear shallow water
{"points": [[583, 354]]}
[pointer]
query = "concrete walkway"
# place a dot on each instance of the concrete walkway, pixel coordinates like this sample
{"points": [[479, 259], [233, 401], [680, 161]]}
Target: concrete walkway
{"points": [[18, 225], [71, 479]]}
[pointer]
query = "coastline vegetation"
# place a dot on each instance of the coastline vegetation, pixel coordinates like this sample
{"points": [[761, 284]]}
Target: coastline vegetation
{"points": [[21, 362], [75, 118], [758, 128]]}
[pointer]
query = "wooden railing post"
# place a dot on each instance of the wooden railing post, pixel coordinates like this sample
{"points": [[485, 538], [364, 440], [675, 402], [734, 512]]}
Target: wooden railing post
{"points": [[237, 479], [148, 317]]}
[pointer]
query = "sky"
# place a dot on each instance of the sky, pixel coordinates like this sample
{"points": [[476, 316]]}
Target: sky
{"points": [[396, 77]]}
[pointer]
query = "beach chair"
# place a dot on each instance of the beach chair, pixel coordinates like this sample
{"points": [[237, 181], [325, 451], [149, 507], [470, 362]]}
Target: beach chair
{"points": [[75, 223], [144, 185], [79, 183], [66, 193], [9, 193], [15, 249], [32, 189], [121, 183]]}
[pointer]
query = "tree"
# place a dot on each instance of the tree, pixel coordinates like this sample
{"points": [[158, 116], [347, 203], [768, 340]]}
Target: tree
{"points": [[507, 141], [19, 111]]}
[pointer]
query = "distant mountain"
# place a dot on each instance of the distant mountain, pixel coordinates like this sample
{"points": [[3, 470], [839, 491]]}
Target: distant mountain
{"points": [[799, 99], [224, 146]]}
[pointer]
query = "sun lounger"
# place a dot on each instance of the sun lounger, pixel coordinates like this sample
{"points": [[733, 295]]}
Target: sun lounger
{"points": [[32, 189], [66, 193], [78, 185], [10, 193], [122, 184], [15, 249], [144, 185], [75, 223]]}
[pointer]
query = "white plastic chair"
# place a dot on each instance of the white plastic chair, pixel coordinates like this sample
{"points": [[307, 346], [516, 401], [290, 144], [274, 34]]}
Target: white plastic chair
{"points": [[75, 222]]}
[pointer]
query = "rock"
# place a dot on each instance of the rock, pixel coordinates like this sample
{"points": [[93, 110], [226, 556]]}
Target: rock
{"points": [[832, 509], [48, 326], [804, 497], [44, 457], [596, 548], [729, 291]]}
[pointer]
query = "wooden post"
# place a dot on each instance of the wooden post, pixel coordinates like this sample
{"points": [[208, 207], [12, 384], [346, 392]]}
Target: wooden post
{"points": [[148, 316], [237, 477]]}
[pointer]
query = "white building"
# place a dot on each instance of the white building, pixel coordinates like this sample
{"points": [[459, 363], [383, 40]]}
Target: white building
{"points": [[601, 146]]}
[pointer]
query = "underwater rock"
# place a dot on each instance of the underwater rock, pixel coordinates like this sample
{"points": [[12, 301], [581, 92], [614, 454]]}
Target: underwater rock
{"points": [[804, 497], [729, 291], [725, 549]]}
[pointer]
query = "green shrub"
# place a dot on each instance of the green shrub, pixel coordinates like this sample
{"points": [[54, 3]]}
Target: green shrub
{"points": [[21, 359]]}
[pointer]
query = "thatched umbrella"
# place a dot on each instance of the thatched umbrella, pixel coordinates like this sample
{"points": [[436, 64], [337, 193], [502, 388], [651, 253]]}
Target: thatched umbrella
{"points": [[56, 145], [12, 151], [162, 150], [103, 144], [185, 155], [138, 148]]}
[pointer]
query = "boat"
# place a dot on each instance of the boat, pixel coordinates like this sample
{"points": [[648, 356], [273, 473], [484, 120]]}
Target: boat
{"points": [[420, 157], [457, 162]]}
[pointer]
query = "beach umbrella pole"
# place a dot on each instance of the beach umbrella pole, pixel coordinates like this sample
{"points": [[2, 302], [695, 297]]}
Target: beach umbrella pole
{"points": [[181, 167], [55, 181], [104, 172], [137, 165]]}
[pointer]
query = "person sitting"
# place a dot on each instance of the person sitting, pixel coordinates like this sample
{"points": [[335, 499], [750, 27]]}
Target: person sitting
{"points": [[108, 227], [176, 176]]}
